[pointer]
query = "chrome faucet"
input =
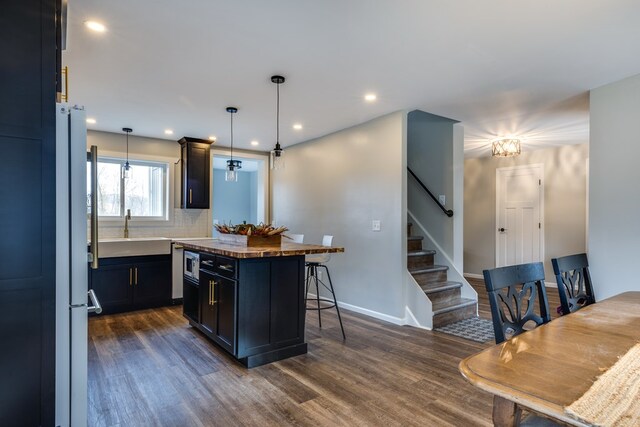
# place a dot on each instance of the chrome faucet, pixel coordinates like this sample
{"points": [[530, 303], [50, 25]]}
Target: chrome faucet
{"points": [[127, 218]]}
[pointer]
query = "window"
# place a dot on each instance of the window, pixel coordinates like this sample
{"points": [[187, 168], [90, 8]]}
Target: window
{"points": [[144, 192]]}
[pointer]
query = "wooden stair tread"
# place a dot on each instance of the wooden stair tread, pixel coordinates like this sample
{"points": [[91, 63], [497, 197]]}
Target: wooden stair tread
{"points": [[432, 269], [421, 252], [415, 238], [452, 305], [440, 286]]}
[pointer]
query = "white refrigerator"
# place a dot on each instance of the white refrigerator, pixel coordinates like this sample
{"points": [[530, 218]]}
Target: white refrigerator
{"points": [[73, 299]]}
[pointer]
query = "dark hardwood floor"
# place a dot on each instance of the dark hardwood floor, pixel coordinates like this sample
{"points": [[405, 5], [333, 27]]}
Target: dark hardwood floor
{"points": [[150, 368]]}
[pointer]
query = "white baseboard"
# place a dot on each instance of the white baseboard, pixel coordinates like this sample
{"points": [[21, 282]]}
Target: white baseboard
{"points": [[411, 320], [367, 312], [473, 275]]}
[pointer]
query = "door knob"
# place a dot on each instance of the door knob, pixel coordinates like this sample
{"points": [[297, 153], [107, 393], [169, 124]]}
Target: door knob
{"points": [[502, 230]]}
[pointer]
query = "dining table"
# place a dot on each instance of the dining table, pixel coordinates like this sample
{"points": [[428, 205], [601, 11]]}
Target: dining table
{"points": [[550, 367]]}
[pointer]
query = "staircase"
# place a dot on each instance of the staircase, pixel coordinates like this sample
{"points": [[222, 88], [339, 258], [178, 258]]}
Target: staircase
{"points": [[447, 304]]}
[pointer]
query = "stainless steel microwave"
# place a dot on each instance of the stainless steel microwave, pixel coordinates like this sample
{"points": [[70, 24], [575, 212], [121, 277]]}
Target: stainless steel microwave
{"points": [[192, 265]]}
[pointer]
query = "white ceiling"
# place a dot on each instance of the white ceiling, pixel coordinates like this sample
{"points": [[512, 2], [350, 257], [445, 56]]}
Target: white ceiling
{"points": [[501, 67]]}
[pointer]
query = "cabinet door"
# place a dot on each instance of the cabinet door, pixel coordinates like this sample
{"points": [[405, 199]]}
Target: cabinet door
{"points": [[208, 309], [225, 299], [28, 212], [152, 284], [114, 285], [197, 179]]}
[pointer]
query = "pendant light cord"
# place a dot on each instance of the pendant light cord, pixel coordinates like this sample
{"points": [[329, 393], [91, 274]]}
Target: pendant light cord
{"points": [[232, 137], [278, 113], [127, 148]]}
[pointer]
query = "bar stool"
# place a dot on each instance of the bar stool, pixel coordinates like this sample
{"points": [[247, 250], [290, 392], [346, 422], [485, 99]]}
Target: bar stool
{"points": [[313, 263], [296, 238]]}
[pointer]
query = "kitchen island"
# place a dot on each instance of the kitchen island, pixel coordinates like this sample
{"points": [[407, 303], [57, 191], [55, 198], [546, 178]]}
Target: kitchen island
{"points": [[250, 300]]}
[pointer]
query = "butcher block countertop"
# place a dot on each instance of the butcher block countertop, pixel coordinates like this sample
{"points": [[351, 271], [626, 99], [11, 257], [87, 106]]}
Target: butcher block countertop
{"points": [[215, 246]]}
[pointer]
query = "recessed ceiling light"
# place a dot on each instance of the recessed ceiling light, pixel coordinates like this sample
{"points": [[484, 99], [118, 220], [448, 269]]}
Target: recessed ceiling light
{"points": [[168, 132], [212, 138], [370, 97], [297, 126], [91, 121], [95, 26], [254, 143]]}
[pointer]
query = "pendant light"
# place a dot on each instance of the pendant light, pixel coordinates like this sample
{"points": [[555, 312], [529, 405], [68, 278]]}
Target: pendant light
{"points": [[232, 165], [277, 160], [127, 167]]}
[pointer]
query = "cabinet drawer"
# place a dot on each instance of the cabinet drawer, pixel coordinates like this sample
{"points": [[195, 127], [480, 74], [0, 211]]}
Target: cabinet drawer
{"points": [[226, 267], [207, 262]]}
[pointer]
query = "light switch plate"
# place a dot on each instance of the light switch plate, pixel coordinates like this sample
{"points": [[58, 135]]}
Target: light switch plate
{"points": [[375, 225], [442, 199]]}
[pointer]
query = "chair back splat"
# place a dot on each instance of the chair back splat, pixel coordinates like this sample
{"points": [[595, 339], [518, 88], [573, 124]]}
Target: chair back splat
{"points": [[574, 282], [514, 292]]}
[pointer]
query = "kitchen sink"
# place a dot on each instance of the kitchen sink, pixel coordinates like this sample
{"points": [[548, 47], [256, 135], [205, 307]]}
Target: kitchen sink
{"points": [[140, 246]]}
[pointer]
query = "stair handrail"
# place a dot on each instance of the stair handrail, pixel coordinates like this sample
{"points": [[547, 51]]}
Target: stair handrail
{"points": [[447, 212]]}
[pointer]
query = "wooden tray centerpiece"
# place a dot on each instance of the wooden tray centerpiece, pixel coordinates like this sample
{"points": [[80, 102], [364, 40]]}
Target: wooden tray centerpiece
{"points": [[249, 235]]}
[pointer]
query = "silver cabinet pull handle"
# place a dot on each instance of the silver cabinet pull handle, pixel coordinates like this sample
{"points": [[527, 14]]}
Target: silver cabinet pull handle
{"points": [[226, 267], [95, 306]]}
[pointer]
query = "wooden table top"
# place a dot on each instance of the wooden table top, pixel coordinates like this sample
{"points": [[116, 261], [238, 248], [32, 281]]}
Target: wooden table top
{"points": [[553, 365], [215, 246]]}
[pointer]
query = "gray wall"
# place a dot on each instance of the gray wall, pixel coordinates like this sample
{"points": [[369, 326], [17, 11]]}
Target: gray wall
{"points": [[565, 192], [430, 156], [614, 197], [235, 202], [337, 185]]}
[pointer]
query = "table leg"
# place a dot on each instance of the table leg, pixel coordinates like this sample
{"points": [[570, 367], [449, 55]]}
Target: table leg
{"points": [[505, 413]]}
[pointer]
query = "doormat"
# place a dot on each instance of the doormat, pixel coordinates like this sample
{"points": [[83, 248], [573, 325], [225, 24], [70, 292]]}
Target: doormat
{"points": [[474, 329]]}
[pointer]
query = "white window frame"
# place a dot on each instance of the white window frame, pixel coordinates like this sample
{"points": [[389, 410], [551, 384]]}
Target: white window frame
{"points": [[166, 217]]}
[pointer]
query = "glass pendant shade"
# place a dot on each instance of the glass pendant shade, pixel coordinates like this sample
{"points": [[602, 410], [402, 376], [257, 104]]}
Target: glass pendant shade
{"points": [[231, 173], [125, 170], [277, 159], [506, 147]]}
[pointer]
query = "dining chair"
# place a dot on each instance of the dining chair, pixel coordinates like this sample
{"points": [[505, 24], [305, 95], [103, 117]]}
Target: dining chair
{"points": [[296, 238], [574, 282], [514, 292]]}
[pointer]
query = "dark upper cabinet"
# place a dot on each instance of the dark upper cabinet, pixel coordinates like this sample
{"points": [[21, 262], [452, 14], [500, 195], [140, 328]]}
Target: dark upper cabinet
{"points": [[196, 165]]}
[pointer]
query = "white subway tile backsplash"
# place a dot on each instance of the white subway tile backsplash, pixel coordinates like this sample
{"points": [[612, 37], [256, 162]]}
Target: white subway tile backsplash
{"points": [[185, 223]]}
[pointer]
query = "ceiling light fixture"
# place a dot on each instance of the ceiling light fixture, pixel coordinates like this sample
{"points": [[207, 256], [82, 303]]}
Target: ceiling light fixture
{"points": [[232, 165], [297, 126], [91, 121], [277, 160], [505, 147], [168, 132], [126, 167], [370, 97], [95, 26], [255, 143]]}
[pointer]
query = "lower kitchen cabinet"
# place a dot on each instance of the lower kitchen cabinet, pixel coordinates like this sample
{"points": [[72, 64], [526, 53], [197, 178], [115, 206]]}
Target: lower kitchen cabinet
{"points": [[218, 309], [132, 283]]}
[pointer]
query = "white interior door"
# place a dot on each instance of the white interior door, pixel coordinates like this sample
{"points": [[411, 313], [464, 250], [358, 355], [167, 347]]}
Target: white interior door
{"points": [[519, 211]]}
